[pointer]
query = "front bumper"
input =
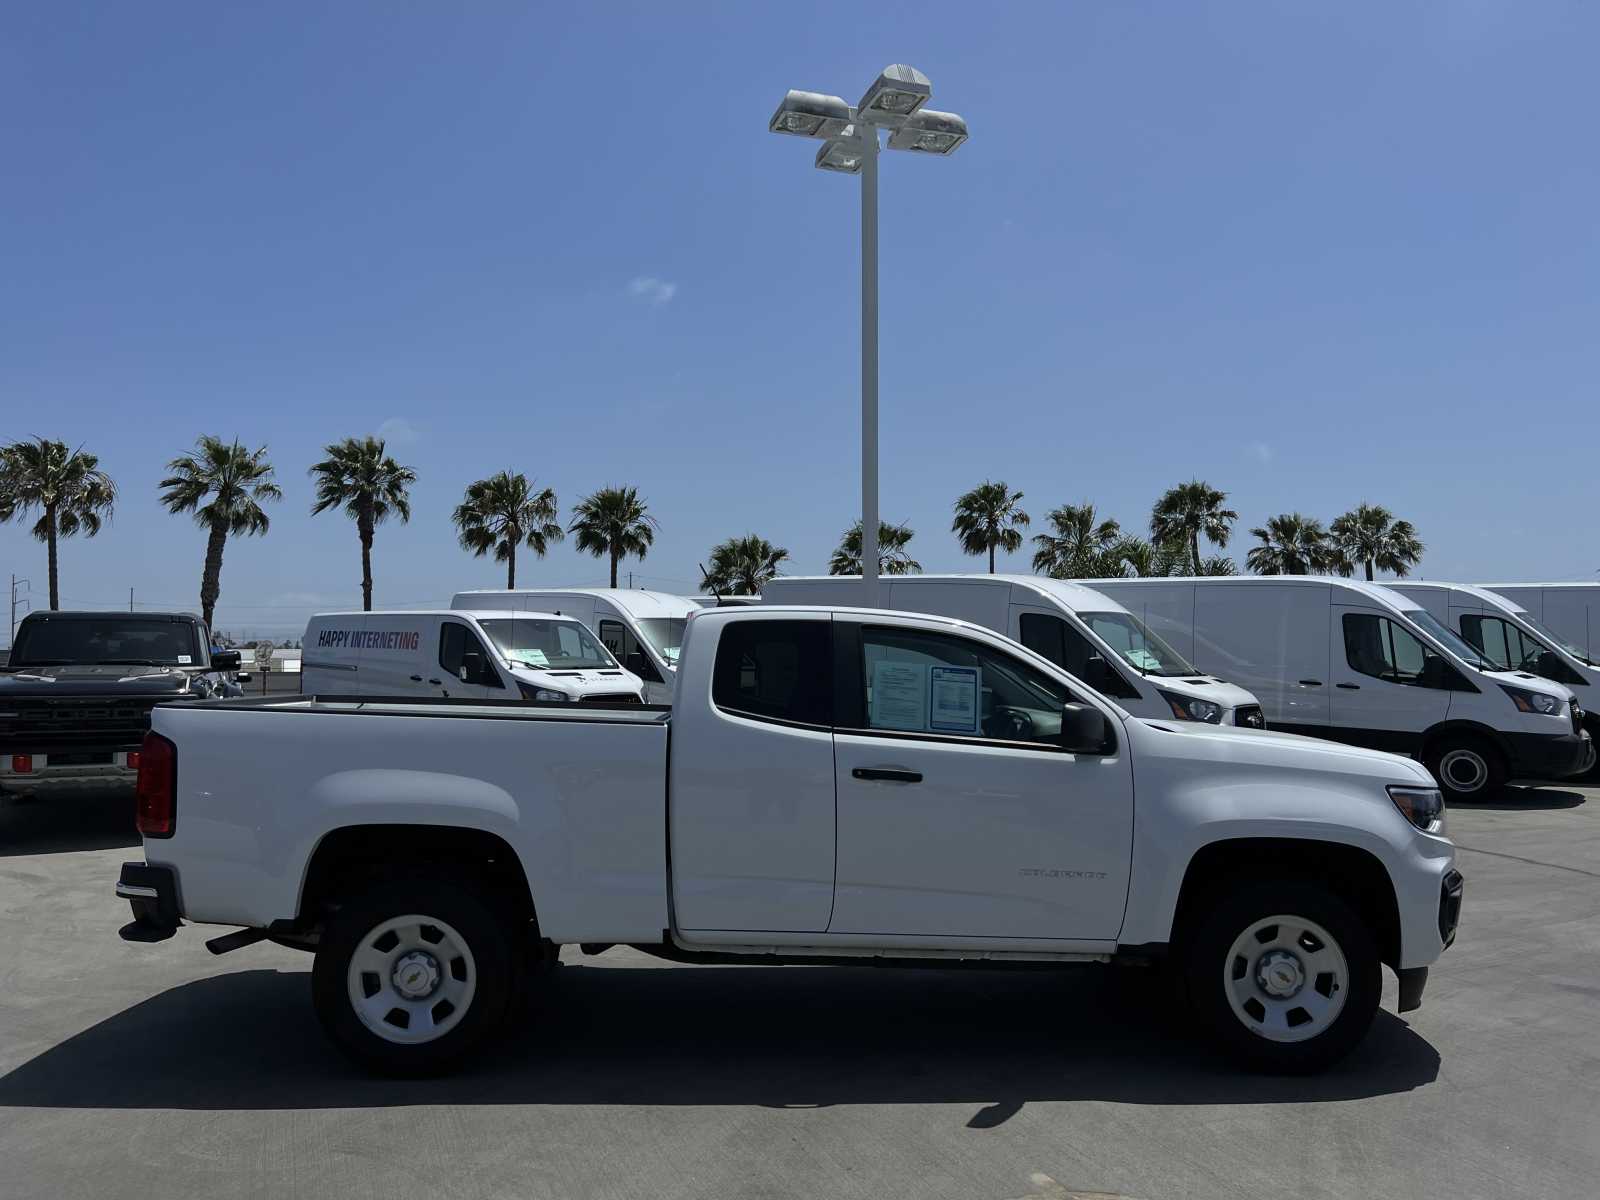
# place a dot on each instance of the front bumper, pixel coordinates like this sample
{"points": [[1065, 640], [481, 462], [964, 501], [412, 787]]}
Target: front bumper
{"points": [[1547, 756], [152, 892]]}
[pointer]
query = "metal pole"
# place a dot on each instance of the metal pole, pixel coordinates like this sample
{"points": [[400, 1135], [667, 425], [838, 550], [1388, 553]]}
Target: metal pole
{"points": [[869, 366]]}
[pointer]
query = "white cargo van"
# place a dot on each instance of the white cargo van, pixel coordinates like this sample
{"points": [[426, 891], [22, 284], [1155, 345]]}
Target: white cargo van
{"points": [[1359, 663], [1569, 610], [466, 655], [642, 629], [1514, 639], [1081, 630]]}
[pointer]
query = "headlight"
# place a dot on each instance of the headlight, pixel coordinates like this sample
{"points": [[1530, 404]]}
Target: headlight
{"points": [[1192, 708], [547, 694], [1422, 806], [1536, 702]]}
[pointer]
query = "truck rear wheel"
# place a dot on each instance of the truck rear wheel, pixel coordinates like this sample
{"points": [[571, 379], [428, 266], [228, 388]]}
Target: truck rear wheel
{"points": [[411, 978], [1467, 768], [1285, 974]]}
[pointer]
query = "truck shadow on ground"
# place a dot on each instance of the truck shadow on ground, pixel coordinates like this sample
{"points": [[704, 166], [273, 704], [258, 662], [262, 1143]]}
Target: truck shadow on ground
{"points": [[66, 822], [769, 1036]]}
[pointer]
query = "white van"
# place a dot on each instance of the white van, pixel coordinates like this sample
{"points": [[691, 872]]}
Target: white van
{"points": [[1082, 631], [1514, 638], [1356, 662], [467, 655], [1571, 611], [642, 629]]}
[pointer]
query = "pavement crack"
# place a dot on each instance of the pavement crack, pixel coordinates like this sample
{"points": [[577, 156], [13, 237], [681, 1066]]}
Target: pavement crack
{"points": [[1532, 862]]}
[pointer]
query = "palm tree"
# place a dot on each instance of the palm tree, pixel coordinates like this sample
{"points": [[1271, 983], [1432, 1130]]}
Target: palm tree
{"points": [[1218, 564], [742, 566], [1189, 511], [361, 478], [614, 521], [1080, 545], [893, 558], [236, 482], [1145, 559], [1369, 534], [1292, 544], [503, 512], [71, 492], [987, 517]]}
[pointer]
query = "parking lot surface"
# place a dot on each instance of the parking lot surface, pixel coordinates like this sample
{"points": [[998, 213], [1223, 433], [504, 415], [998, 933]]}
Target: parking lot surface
{"points": [[161, 1071]]}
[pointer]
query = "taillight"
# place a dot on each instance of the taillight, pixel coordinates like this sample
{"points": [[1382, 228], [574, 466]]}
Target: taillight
{"points": [[133, 760], [22, 764], [156, 812]]}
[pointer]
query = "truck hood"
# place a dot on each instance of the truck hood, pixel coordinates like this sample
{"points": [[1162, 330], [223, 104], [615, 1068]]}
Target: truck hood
{"points": [[1269, 748], [92, 679]]}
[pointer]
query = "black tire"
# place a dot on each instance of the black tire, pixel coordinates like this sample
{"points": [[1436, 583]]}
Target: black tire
{"points": [[481, 977], [1467, 768], [1210, 973]]}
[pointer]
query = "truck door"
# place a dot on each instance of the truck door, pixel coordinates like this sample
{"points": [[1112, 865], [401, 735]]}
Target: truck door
{"points": [[1388, 686], [959, 815]]}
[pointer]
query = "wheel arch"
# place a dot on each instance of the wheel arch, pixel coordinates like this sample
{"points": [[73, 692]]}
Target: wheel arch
{"points": [[1445, 729]]}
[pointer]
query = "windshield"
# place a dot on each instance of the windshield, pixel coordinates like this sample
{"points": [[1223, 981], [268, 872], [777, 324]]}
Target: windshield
{"points": [[543, 645], [1554, 639], [109, 640], [1453, 642], [665, 635], [1137, 643]]}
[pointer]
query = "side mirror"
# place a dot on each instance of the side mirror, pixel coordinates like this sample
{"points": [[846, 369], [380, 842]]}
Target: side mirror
{"points": [[1083, 729], [226, 660], [1549, 665], [1099, 675], [242, 677], [635, 663]]}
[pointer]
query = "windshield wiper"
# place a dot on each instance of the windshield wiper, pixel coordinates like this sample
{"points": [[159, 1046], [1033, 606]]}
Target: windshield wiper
{"points": [[129, 662]]}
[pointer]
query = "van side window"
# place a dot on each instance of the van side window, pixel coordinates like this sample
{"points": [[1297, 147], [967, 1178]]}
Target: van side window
{"points": [[1378, 647], [1053, 638], [463, 655], [933, 683], [776, 670], [625, 648], [1508, 646]]}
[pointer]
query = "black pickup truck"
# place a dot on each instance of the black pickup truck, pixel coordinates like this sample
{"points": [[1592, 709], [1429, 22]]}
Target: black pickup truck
{"points": [[76, 694]]}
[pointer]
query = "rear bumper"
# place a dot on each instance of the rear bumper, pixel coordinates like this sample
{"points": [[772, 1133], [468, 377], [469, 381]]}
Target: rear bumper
{"points": [[152, 893], [1547, 756], [45, 775]]}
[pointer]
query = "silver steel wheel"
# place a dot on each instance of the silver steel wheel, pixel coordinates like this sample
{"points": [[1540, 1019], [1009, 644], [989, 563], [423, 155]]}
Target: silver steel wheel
{"points": [[1286, 979], [412, 979], [1463, 771]]}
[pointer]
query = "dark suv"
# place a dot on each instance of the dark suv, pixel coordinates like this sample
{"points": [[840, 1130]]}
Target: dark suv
{"points": [[76, 694]]}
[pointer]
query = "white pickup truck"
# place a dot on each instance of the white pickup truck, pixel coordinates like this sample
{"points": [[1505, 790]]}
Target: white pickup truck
{"points": [[831, 784]]}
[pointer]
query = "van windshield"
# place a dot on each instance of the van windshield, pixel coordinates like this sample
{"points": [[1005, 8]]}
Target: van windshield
{"points": [[1136, 642], [543, 645], [1450, 640], [665, 635]]}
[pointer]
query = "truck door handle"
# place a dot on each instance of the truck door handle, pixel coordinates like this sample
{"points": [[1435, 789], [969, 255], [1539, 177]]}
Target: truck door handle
{"points": [[435, 682], [1311, 683], [418, 679], [1349, 687], [887, 774]]}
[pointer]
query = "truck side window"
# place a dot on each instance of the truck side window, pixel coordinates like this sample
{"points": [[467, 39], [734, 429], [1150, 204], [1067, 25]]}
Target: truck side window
{"points": [[463, 655], [1378, 647], [776, 670], [935, 683], [625, 648]]}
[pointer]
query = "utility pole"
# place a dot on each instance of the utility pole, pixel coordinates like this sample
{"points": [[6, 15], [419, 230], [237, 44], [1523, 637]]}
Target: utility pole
{"points": [[130, 599]]}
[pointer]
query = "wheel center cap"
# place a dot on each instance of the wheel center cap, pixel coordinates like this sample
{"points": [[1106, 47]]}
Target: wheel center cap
{"points": [[1280, 973], [416, 974]]}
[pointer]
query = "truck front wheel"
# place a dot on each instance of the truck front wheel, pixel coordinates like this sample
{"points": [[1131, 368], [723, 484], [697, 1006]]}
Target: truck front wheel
{"points": [[410, 978], [1285, 974]]}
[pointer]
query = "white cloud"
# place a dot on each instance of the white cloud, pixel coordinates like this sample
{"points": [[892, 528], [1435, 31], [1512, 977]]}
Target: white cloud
{"points": [[1262, 451], [398, 431], [652, 290]]}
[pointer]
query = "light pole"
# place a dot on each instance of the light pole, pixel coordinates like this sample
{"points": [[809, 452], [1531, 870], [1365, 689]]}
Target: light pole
{"points": [[850, 146]]}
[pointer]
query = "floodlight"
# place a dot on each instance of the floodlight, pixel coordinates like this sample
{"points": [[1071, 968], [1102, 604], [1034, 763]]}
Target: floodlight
{"points": [[842, 154], [810, 114], [930, 132], [897, 93]]}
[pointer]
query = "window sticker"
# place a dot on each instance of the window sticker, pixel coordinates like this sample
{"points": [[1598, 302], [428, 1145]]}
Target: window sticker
{"points": [[953, 699], [530, 658], [184, 660], [1143, 659], [899, 698]]}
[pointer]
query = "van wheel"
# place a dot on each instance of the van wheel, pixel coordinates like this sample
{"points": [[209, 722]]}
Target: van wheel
{"points": [[1467, 768], [411, 978], [1285, 975]]}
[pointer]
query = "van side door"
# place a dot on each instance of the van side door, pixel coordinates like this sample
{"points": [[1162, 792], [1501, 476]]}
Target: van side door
{"points": [[626, 648], [1388, 685], [1052, 636], [464, 668]]}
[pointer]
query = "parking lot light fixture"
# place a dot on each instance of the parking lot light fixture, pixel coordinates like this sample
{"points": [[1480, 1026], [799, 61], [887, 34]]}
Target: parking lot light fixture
{"points": [[850, 146]]}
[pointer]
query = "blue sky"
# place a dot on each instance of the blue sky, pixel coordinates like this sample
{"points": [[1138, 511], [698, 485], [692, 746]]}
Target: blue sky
{"points": [[1315, 254]]}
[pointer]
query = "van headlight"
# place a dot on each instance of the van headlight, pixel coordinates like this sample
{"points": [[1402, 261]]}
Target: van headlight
{"points": [[1422, 806], [529, 692], [1192, 708], [1536, 702]]}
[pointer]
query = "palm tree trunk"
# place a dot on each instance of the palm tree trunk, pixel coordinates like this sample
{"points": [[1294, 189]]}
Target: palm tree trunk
{"points": [[50, 543], [211, 578], [1194, 551], [991, 558], [613, 568], [1369, 570], [511, 567], [364, 527]]}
